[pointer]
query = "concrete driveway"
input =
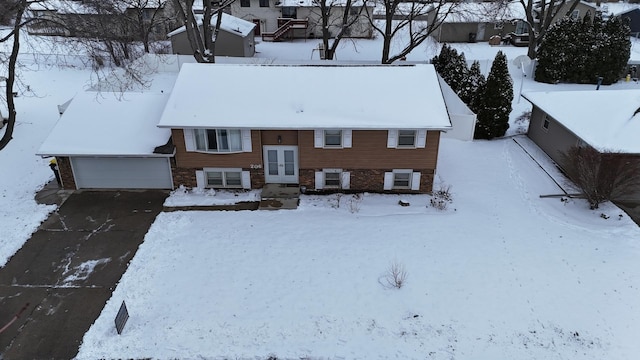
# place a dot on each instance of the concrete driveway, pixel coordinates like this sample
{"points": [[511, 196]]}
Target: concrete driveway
{"points": [[67, 270]]}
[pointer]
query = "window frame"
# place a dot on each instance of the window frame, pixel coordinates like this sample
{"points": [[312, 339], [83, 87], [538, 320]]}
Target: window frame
{"points": [[265, 3], [332, 146], [575, 14], [245, 3], [338, 172], [206, 148], [408, 173], [224, 177], [415, 139], [545, 123]]}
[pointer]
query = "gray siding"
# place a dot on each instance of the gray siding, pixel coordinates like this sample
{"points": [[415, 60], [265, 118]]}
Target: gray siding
{"points": [[459, 32], [227, 45], [554, 140]]}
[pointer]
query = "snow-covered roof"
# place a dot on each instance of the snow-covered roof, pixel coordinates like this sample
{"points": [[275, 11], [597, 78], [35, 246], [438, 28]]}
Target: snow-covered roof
{"points": [[306, 97], [464, 12], [604, 119], [617, 8], [102, 124], [229, 24]]}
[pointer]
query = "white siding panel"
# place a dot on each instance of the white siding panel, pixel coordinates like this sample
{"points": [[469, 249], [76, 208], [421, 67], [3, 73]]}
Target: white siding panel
{"points": [[388, 181], [200, 179], [189, 140], [318, 138], [345, 180], [246, 140], [346, 137], [246, 180], [415, 181], [392, 139], [421, 140], [319, 180]]}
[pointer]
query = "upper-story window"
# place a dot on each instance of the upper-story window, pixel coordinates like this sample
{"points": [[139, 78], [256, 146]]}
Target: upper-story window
{"points": [[218, 140], [333, 138], [245, 3], [264, 3], [406, 138]]}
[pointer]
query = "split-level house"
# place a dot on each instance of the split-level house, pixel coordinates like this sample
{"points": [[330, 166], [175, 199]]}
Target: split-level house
{"points": [[325, 128]]}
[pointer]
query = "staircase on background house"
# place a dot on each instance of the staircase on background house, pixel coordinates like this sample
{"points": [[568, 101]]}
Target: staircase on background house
{"points": [[279, 197], [285, 27]]}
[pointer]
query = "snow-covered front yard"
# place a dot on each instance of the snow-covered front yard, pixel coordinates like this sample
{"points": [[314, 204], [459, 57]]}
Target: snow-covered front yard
{"points": [[501, 274]]}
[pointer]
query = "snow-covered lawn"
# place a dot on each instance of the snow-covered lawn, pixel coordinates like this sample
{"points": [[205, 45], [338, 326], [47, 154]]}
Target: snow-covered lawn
{"points": [[501, 274]]}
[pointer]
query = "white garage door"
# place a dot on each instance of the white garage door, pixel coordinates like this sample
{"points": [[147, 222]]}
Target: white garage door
{"points": [[121, 173]]}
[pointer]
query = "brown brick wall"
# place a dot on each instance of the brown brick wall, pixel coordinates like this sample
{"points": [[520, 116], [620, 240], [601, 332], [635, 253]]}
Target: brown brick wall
{"points": [[191, 159], [66, 173], [187, 177], [371, 180], [287, 137]]}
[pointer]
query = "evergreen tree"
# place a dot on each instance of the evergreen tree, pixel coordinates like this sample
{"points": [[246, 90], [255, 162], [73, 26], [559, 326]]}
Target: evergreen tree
{"points": [[470, 85], [554, 58], [497, 95], [451, 66], [617, 48]]}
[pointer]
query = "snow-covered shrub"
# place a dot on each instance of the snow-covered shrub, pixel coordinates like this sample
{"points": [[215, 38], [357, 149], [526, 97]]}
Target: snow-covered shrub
{"points": [[395, 277], [355, 202], [441, 197]]}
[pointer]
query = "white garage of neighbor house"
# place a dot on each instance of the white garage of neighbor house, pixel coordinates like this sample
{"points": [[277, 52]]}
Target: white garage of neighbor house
{"points": [[104, 142]]}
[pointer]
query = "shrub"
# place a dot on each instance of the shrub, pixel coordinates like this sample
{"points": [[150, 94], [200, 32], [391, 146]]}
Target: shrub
{"points": [[442, 197], [395, 277]]}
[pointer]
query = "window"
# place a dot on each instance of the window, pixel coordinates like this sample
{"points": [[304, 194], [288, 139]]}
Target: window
{"points": [[245, 3], [406, 138], [264, 3], [545, 123], [223, 178], [289, 12], [218, 140], [574, 15], [332, 178], [333, 138], [498, 26], [401, 180], [521, 27]]}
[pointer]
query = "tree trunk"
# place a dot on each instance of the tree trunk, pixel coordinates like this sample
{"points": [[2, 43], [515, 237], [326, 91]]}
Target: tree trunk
{"points": [[11, 76]]}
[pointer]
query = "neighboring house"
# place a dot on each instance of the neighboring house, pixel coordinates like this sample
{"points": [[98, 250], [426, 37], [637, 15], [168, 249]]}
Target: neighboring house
{"points": [[471, 21], [60, 17], [281, 19], [606, 120], [113, 147], [347, 136], [627, 11], [235, 38], [354, 136]]}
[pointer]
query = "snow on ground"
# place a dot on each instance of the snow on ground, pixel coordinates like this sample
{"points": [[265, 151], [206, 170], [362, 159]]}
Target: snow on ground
{"points": [[501, 274]]}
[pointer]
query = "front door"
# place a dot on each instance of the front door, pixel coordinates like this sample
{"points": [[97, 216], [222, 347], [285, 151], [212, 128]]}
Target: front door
{"points": [[281, 164]]}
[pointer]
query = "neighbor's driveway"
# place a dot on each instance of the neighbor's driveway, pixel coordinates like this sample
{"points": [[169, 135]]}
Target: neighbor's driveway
{"points": [[67, 270]]}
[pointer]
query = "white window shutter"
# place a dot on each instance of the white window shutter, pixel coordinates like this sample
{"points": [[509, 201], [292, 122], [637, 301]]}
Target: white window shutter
{"points": [[318, 138], [392, 139], [319, 180], [346, 138], [246, 140], [345, 180], [388, 181], [189, 139], [246, 180], [421, 138], [415, 181], [200, 179]]}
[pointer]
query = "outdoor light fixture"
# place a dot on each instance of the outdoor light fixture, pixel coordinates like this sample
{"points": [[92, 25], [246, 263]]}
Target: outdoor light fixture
{"points": [[279, 139]]}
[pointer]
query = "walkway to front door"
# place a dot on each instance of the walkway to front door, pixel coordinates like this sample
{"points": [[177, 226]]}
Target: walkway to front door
{"points": [[279, 197], [280, 164]]}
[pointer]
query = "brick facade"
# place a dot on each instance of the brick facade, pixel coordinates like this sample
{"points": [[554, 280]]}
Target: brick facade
{"points": [[66, 173], [369, 180]]}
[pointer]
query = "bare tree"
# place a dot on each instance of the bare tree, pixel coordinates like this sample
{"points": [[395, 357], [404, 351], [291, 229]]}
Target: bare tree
{"points": [[202, 37], [602, 176], [540, 14], [338, 18], [409, 19], [15, 11]]}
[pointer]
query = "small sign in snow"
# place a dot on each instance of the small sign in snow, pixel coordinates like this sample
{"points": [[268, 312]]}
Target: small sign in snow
{"points": [[121, 318]]}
